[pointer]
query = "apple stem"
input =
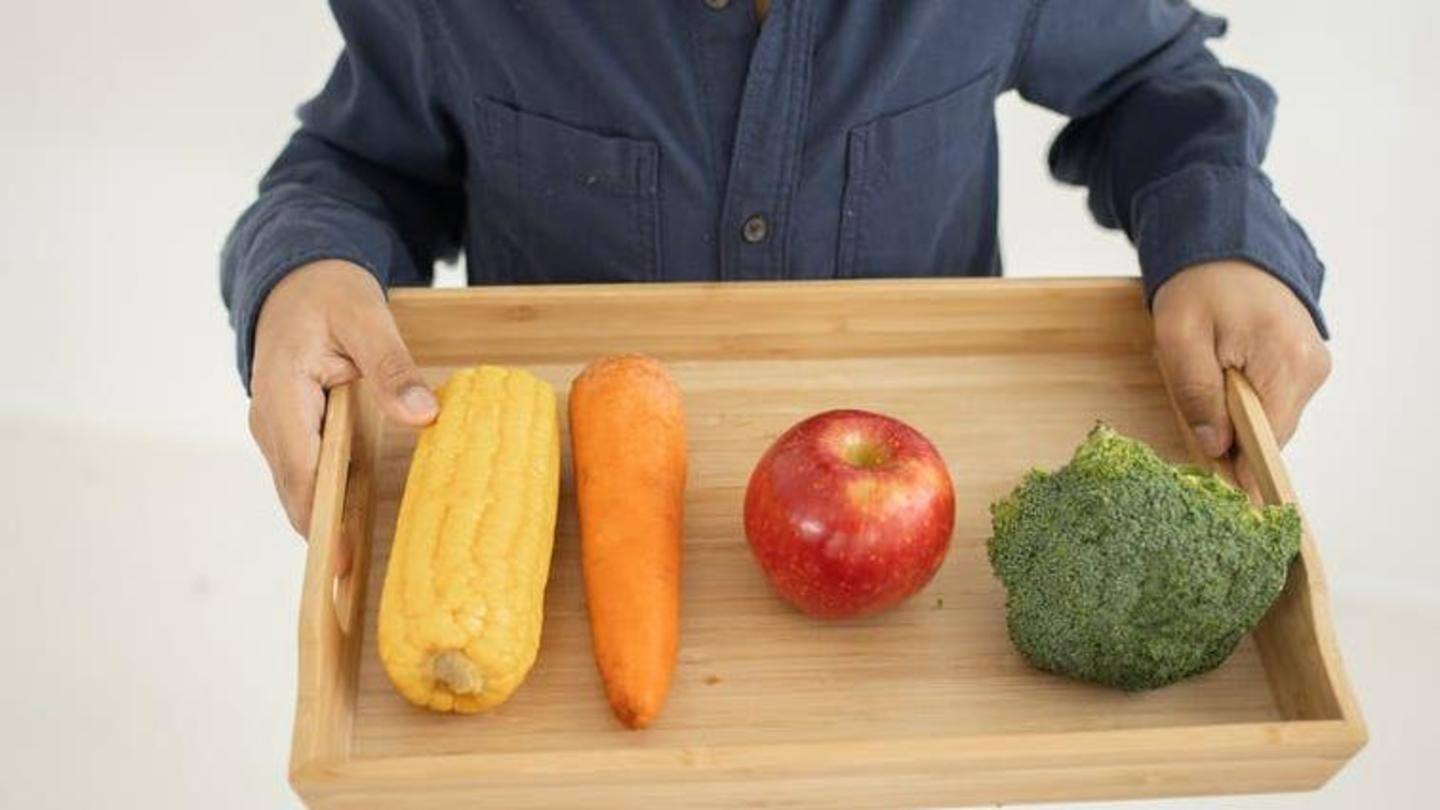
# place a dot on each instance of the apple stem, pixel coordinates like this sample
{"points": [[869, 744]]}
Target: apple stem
{"points": [[864, 454]]}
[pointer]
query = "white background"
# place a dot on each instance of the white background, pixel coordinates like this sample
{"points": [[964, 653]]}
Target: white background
{"points": [[148, 583]]}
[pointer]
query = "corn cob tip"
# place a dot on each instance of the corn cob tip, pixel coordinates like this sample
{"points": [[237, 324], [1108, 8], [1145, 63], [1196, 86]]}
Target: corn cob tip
{"points": [[456, 671]]}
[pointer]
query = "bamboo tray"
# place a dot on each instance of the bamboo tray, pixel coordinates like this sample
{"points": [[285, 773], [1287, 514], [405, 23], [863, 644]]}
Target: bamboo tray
{"points": [[925, 705]]}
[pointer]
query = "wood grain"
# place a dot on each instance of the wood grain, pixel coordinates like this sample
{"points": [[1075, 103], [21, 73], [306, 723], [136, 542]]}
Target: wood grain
{"points": [[928, 704], [1296, 639], [757, 320], [324, 702]]}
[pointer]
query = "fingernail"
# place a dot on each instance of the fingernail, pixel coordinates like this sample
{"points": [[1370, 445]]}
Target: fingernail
{"points": [[1209, 440], [419, 402]]}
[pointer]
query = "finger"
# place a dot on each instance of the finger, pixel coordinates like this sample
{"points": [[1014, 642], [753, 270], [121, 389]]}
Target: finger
{"points": [[1286, 374], [1244, 476], [287, 412], [259, 429], [1186, 351], [369, 336], [344, 556]]}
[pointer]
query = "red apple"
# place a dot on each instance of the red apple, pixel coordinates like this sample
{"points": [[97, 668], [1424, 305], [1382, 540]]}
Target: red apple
{"points": [[849, 512]]}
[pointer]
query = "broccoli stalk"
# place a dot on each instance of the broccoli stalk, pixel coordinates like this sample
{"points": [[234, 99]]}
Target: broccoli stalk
{"points": [[1128, 571]]}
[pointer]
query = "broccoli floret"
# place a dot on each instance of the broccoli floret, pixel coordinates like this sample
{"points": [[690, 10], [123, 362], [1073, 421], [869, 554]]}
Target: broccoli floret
{"points": [[1128, 571]]}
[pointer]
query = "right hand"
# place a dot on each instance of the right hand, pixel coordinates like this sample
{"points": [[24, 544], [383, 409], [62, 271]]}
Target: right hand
{"points": [[323, 325]]}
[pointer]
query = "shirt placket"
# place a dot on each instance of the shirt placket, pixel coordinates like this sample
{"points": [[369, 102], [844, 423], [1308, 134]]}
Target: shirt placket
{"points": [[764, 158]]}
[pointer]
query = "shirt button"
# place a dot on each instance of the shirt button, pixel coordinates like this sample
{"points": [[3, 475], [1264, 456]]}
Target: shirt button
{"points": [[718, 5], [756, 229]]}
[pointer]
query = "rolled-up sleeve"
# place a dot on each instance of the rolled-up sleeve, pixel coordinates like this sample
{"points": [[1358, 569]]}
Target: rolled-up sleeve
{"points": [[372, 176], [1168, 141]]}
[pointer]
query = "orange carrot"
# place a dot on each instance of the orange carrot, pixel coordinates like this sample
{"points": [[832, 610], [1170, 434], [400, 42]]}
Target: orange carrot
{"points": [[627, 439]]}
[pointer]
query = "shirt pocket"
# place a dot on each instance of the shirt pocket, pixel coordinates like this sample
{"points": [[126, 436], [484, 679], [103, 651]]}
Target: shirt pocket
{"points": [[562, 204], [914, 184]]}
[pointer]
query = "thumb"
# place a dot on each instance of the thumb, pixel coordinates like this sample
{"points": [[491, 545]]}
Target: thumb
{"points": [[1196, 381], [369, 336]]}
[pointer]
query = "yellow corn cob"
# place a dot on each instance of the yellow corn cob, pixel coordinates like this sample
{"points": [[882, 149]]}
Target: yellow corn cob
{"points": [[461, 609]]}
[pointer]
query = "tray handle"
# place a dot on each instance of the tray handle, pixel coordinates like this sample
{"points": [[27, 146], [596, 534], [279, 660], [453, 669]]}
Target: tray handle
{"points": [[1296, 639], [336, 564], [1256, 438], [1253, 436], [330, 606]]}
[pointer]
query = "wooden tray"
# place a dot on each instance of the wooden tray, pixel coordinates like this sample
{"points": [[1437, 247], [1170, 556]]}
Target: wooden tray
{"points": [[925, 705]]}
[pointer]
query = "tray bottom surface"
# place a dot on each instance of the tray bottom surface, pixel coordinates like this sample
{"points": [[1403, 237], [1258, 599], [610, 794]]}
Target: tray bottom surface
{"points": [[752, 670]]}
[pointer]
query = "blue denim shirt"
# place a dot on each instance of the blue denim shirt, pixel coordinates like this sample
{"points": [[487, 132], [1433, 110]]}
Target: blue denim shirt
{"points": [[564, 141]]}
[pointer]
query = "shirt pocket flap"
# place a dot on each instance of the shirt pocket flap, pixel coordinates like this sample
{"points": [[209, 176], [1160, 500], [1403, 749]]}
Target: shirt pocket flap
{"points": [[558, 157], [950, 121]]}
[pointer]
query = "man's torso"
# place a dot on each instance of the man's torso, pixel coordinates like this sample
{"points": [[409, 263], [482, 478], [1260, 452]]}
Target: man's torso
{"points": [[685, 141]]}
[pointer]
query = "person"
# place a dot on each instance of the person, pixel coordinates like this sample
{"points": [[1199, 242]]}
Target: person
{"points": [[566, 141]]}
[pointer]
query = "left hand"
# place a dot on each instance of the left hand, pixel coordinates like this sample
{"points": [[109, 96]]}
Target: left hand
{"points": [[1232, 314]]}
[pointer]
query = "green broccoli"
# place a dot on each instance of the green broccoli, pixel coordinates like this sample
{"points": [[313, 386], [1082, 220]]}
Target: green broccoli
{"points": [[1128, 571]]}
